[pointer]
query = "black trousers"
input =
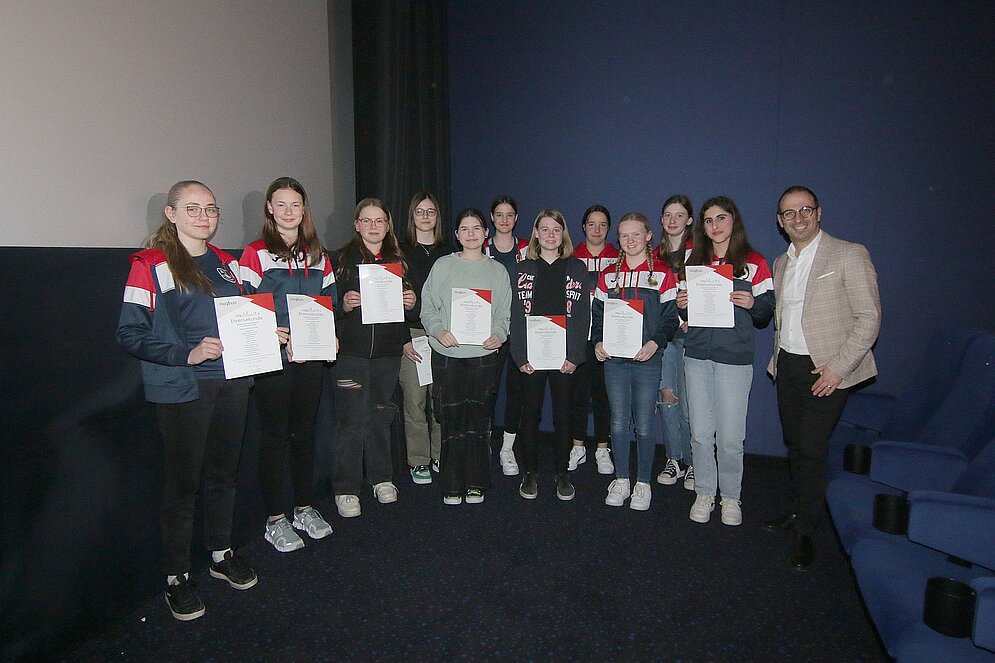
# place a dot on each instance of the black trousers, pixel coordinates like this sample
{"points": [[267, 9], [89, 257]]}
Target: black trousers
{"points": [[588, 393], [202, 443], [287, 402], [512, 389], [461, 397], [533, 394], [365, 409], [807, 422]]}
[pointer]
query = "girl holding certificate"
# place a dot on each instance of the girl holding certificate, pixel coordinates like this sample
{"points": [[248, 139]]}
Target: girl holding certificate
{"points": [[718, 362], [588, 391], [288, 259], [168, 321], [369, 359], [676, 218], [550, 282], [423, 246], [508, 250], [465, 376], [648, 286]]}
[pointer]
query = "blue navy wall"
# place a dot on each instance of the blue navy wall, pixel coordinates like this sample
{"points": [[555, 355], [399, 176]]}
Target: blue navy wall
{"points": [[884, 109]]}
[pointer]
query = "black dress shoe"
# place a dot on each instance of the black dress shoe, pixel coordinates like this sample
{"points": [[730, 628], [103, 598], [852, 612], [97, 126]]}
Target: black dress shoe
{"points": [[804, 553], [785, 522]]}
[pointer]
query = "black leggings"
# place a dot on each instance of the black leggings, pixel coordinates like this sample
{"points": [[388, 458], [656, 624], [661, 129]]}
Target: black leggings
{"points": [[287, 402], [202, 443], [512, 388], [588, 387], [532, 399]]}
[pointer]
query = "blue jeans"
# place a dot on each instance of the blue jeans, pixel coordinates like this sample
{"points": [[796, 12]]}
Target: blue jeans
{"points": [[632, 389], [718, 395], [674, 417]]}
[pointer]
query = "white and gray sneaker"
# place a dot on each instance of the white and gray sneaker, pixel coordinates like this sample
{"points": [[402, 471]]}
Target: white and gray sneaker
{"points": [[282, 535], [385, 492], [732, 513], [509, 466], [618, 492], [641, 496], [603, 458], [578, 456], [671, 473], [348, 505], [309, 520], [689, 478], [701, 510]]}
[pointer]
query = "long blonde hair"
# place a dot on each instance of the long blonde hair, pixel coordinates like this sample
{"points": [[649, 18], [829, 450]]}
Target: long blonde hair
{"points": [[635, 216], [566, 246], [186, 274]]}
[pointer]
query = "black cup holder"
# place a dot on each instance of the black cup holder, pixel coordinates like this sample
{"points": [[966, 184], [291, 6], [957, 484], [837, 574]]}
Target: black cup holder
{"points": [[857, 458], [891, 513], [948, 607]]}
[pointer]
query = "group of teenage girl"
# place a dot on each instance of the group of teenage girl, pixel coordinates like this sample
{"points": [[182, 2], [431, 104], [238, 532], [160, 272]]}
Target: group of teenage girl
{"points": [[697, 378]]}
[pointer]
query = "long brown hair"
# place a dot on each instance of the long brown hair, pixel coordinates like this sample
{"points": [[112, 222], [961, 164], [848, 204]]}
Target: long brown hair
{"points": [[186, 274], [641, 218], [675, 259], [412, 229], [566, 246], [389, 250], [739, 245], [307, 242]]}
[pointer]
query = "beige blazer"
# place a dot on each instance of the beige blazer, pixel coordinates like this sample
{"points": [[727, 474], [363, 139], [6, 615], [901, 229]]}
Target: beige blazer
{"points": [[842, 312]]}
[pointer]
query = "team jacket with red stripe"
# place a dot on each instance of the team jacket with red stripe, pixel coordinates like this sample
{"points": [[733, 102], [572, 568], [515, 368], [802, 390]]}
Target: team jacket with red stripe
{"points": [[735, 346], [521, 248], [261, 271], [150, 326], [595, 264], [660, 319]]}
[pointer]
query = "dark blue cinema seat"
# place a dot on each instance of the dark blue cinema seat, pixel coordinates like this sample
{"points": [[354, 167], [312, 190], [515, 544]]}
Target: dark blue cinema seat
{"points": [[903, 467], [873, 413], [963, 415], [950, 536]]}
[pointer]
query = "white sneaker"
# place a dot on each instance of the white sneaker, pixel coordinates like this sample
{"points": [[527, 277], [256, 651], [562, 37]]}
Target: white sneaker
{"points": [[282, 535], [671, 473], [310, 521], [578, 456], [509, 466], [701, 510], [385, 492], [435, 465], [603, 458], [618, 492], [641, 496], [732, 513], [689, 478], [348, 505], [452, 499]]}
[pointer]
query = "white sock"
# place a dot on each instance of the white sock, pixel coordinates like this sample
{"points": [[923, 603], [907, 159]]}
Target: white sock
{"points": [[219, 555], [508, 442], [175, 580]]}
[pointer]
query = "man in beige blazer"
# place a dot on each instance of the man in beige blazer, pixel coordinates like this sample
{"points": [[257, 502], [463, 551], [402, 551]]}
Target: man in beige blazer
{"points": [[827, 317]]}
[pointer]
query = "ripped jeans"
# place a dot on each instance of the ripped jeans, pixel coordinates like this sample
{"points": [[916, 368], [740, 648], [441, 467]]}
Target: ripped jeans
{"points": [[364, 412]]}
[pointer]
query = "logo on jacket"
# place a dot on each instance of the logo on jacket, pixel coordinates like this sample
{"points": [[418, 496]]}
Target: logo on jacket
{"points": [[226, 275]]}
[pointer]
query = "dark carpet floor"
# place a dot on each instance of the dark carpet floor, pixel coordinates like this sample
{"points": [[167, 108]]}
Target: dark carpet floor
{"points": [[512, 579]]}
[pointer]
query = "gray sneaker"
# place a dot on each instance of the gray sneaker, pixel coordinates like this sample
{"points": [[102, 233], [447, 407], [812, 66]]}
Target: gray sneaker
{"points": [[310, 521], [282, 535]]}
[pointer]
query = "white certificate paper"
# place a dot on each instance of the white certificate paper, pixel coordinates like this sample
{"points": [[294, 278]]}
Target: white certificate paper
{"points": [[623, 327], [247, 328], [381, 293], [470, 316], [546, 341], [312, 327], [709, 287], [424, 367]]}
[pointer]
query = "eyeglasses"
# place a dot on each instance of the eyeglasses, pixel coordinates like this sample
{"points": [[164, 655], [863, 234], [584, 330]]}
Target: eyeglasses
{"points": [[805, 212], [550, 231], [212, 211], [373, 222], [429, 212]]}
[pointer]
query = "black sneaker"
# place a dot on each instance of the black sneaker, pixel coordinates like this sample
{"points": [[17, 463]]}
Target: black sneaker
{"points": [[234, 569], [530, 486], [183, 601], [564, 489]]}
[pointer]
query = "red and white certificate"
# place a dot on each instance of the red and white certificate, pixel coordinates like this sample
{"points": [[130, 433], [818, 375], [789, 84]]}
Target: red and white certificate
{"points": [[381, 293], [470, 315], [247, 329], [546, 341], [709, 287], [312, 327], [623, 327]]}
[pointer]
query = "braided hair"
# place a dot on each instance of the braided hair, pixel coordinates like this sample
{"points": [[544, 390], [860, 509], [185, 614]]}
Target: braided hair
{"points": [[641, 218]]}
